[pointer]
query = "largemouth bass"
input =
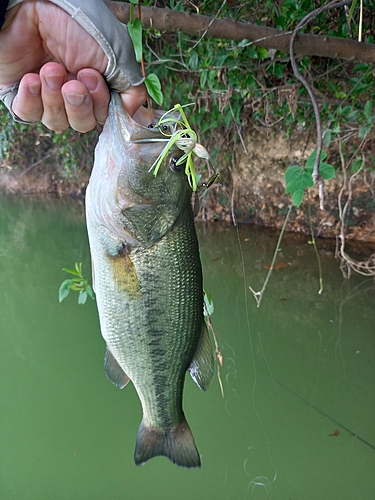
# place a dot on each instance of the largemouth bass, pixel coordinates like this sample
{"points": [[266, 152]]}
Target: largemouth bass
{"points": [[148, 279]]}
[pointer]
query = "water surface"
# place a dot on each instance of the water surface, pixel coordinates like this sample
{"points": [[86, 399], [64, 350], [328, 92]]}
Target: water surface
{"points": [[296, 419]]}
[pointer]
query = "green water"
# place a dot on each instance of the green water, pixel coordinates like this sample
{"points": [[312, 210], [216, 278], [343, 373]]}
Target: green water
{"points": [[296, 370]]}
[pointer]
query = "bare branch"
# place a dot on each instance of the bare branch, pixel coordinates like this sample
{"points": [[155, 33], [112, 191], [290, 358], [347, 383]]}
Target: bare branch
{"points": [[332, 5], [313, 45]]}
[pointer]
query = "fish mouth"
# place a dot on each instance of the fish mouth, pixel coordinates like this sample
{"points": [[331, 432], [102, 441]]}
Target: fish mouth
{"points": [[150, 140]]}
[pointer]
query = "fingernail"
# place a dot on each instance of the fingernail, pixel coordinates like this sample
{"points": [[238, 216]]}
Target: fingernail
{"points": [[54, 82], [34, 89], [75, 99], [89, 80]]}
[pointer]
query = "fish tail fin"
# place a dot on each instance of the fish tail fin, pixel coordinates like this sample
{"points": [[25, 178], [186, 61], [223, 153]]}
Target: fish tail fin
{"points": [[177, 444]]}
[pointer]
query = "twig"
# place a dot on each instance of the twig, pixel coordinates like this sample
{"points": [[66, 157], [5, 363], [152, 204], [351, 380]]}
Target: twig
{"points": [[168, 20], [332, 5], [143, 57], [259, 295], [366, 268], [217, 350], [209, 25], [313, 242], [360, 21], [238, 129], [34, 165]]}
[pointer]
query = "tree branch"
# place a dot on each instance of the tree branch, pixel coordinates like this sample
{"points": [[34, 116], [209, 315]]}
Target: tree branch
{"points": [[270, 38]]}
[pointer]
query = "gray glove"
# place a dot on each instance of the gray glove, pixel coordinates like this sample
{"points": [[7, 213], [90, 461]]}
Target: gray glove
{"points": [[112, 36]]}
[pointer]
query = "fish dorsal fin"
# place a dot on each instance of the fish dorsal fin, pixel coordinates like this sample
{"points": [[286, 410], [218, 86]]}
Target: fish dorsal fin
{"points": [[114, 371], [202, 366]]}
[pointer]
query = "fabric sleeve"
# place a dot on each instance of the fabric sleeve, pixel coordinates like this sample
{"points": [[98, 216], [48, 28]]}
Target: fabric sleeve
{"points": [[3, 9]]}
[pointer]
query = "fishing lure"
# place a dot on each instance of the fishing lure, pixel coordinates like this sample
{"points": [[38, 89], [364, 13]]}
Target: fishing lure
{"points": [[185, 139]]}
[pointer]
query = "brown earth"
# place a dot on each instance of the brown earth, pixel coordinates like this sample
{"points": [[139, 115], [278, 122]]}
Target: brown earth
{"points": [[255, 191]]}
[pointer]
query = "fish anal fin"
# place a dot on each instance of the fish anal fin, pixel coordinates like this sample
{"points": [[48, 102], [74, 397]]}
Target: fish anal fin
{"points": [[202, 366], [114, 371], [177, 444]]}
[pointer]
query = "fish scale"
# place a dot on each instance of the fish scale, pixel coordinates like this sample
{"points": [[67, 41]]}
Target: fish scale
{"points": [[148, 281]]}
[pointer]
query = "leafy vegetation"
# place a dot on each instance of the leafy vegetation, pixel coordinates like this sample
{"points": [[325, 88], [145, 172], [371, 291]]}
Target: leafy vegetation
{"points": [[78, 284], [135, 31], [23, 146], [234, 83], [297, 178]]}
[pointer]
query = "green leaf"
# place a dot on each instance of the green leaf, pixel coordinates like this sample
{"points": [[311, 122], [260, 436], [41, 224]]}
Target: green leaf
{"points": [[327, 171], [135, 32], [71, 271], [360, 67], [357, 164], [154, 88], [64, 289], [209, 305], [367, 109], [193, 61], [362, 132], [263, 53], [203, 79], [90, 291], [243, 42], [352, 116], [78, 268], [297, 197], [296, 180], [228, 118], [327, 138], [311, 159], [82, 297]]}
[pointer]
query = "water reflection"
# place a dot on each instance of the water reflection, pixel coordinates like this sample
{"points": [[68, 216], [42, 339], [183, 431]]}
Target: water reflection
{"points": [[296, 420]]}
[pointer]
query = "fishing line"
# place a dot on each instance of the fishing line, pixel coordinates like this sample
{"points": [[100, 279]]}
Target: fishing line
{"points": [[254, 480], [316, 408]]}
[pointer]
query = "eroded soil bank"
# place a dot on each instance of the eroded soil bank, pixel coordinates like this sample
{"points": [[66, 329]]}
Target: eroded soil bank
{"points": [[251, 187]]}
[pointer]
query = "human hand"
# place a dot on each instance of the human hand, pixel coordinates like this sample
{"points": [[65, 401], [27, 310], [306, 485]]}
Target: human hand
{"points": [[60, 69]]}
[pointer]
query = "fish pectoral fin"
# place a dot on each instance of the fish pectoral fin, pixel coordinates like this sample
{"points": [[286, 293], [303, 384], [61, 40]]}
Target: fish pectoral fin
{"points": [[202, 366], [177, 444], [114, 371], [125, 274]]}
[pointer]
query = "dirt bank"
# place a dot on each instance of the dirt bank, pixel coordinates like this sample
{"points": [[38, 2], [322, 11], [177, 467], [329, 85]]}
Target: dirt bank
{"points": [[251, 187]]}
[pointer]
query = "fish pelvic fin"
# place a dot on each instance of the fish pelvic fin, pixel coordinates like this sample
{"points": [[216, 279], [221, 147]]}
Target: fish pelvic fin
{"points": [[114, 371], [202, 366], [177, 444]]}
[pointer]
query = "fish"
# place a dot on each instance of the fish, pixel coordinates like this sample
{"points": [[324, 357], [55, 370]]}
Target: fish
{"points": [[147, 277]]}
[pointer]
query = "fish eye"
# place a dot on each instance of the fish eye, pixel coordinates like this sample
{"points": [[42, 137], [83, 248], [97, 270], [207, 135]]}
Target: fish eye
{"points": [[162, 128], [173, 164]]}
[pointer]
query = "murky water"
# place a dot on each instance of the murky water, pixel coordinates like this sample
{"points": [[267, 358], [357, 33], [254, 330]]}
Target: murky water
{"points": [[297, 418]]}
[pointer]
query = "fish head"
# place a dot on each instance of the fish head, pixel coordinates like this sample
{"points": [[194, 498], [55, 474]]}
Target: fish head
{"points": [[126, 196]]}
